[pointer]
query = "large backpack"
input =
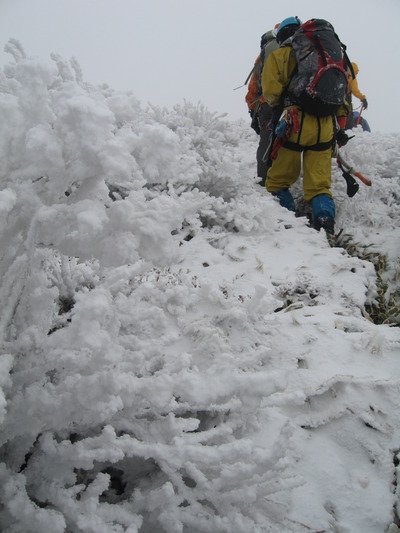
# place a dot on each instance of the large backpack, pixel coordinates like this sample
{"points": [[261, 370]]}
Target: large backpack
{"points": [[269, 45], [320, 83]]}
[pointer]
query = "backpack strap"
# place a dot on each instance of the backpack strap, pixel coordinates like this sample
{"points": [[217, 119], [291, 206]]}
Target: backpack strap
{"points": [[348, 62], [346, 57]]}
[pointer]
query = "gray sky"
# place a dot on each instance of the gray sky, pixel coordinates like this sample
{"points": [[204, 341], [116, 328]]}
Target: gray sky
{"points": [[167, 51]]}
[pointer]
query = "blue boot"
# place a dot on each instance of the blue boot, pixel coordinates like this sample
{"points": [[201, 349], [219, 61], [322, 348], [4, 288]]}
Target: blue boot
{"points": [[285, 199], [323, 208]]}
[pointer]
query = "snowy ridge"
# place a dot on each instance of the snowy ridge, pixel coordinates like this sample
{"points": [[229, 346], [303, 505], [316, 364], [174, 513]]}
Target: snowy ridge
{"points": [[178, 353]]}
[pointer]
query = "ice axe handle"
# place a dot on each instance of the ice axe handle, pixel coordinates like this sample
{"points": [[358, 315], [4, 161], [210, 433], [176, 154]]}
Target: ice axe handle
{"points": [[359, 115], [365, 180]]}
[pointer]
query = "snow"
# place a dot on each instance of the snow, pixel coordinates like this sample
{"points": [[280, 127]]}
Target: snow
{"points": [[179, 354]]}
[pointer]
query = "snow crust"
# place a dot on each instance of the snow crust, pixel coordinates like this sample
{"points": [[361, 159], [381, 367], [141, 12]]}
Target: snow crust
{"points": [[178, 353]]}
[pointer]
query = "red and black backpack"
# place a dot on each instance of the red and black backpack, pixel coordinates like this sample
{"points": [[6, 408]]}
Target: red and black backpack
{"points": [[320, 83]]}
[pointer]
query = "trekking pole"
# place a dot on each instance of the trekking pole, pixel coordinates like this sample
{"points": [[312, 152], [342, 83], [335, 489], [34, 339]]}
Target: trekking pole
{"points": [[268, 150], [349, 169], [247, 79], [240, 86], [359, 114], [271, 125]]}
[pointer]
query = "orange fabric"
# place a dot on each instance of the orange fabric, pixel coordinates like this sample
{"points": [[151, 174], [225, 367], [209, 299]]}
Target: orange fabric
{"points": [[341, 122], [252, 93]]}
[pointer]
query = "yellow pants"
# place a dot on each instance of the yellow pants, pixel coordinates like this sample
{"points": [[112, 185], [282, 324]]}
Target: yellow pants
{"points": [[317, 169]]}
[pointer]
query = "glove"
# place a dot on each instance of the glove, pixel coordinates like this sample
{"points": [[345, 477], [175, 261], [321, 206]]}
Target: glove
{"points": [[365, 103], [342, 138]]}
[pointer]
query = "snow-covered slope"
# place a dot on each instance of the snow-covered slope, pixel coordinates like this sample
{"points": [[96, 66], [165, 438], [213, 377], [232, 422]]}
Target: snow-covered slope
{"points": [[179, 353]]}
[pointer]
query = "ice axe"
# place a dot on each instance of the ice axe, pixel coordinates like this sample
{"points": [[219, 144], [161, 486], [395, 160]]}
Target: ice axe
{"points": [[349, 171], [359, 114]]}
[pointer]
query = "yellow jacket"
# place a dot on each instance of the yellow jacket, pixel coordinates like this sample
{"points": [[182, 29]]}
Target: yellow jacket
{"points": [[277, 73], [353, 84]]}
